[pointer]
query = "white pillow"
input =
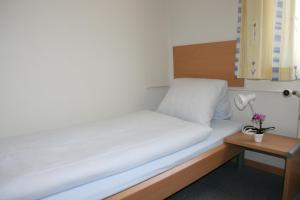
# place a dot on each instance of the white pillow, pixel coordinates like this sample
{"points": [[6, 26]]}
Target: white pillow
{"points": [[223, 109], [192, 99]]}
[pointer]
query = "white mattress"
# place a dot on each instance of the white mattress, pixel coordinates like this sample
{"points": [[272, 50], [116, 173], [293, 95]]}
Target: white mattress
{"points": [[34, 166], [105, 187]]}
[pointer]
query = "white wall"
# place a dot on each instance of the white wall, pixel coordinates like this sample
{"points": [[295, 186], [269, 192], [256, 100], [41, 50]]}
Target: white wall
{"points": [[64, 62]]}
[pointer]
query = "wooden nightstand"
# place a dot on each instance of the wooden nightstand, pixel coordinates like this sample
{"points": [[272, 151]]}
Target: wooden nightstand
{"points": [[276, 145]]}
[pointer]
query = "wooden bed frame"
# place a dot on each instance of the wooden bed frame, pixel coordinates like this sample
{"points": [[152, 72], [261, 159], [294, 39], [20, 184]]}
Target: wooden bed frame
{"points": [[211, 60], [173, 180]]}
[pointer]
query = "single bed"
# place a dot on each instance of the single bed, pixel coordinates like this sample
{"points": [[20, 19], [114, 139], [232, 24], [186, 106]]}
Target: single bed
{"points": [[96, 160], [103, 188], [170, 154], [208, 60]]}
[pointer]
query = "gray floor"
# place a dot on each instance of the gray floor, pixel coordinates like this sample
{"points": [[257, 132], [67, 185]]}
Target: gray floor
{"points": [[230, 183]]}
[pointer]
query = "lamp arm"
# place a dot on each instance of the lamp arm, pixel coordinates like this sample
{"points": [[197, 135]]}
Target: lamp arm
{"points": [[252, 107]]}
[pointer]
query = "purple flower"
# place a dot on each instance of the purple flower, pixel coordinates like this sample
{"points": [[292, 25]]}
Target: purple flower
{"points": [[257, 117]]}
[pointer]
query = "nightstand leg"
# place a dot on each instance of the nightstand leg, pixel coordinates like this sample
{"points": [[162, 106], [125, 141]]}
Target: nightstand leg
{"points": [[240, 160], [292, 178]]}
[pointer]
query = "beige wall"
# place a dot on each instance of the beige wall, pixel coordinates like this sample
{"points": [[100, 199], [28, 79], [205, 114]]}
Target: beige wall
{"points": [[64, 62]]}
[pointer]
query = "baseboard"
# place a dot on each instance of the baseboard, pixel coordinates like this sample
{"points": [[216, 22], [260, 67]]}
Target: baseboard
{"points": [[264, 167]]}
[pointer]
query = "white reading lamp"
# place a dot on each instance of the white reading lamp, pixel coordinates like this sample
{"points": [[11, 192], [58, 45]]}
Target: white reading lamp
{"points": [[241, 101]]}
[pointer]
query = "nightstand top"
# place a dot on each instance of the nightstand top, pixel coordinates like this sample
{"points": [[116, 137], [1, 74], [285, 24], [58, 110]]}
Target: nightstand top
{"points": [[273, 144]]}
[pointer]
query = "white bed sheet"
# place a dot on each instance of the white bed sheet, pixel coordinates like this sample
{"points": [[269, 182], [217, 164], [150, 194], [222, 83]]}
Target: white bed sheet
{"points": [[34, 166], [111, 185]]}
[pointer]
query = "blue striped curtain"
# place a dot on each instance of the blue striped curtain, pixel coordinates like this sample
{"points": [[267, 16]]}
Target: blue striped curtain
{"points": [[277, 39], [238, 40]]}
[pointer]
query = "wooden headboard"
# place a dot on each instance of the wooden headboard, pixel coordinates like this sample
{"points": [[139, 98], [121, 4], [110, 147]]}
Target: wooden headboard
{"points": [[209, 60]]}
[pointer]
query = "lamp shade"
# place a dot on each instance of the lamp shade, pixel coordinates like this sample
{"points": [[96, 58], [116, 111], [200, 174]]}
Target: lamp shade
{"points": [[241, 101]]}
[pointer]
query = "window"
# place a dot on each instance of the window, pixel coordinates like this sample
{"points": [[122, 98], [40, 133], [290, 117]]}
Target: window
{"points": [[268, 44]]}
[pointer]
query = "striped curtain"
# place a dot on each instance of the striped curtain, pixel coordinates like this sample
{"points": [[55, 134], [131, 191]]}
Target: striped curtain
{"points": [[268, 40]]}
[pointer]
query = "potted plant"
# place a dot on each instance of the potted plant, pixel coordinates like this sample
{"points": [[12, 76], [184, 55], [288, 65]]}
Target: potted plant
{"points": [[259, 131]]}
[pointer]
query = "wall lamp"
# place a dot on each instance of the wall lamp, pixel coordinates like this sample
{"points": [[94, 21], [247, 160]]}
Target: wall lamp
{"points": [[241, 101]]}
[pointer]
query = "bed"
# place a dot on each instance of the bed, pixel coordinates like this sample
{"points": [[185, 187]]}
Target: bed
{"points": [[103, 188], [141, 172], [208, 60]]}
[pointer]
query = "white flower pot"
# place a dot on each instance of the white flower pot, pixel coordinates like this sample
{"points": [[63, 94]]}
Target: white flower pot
{"points": [[258, 137]]}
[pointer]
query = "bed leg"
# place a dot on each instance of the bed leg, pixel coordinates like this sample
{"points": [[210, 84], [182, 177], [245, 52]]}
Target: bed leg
{"points": [[240, 160]]}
